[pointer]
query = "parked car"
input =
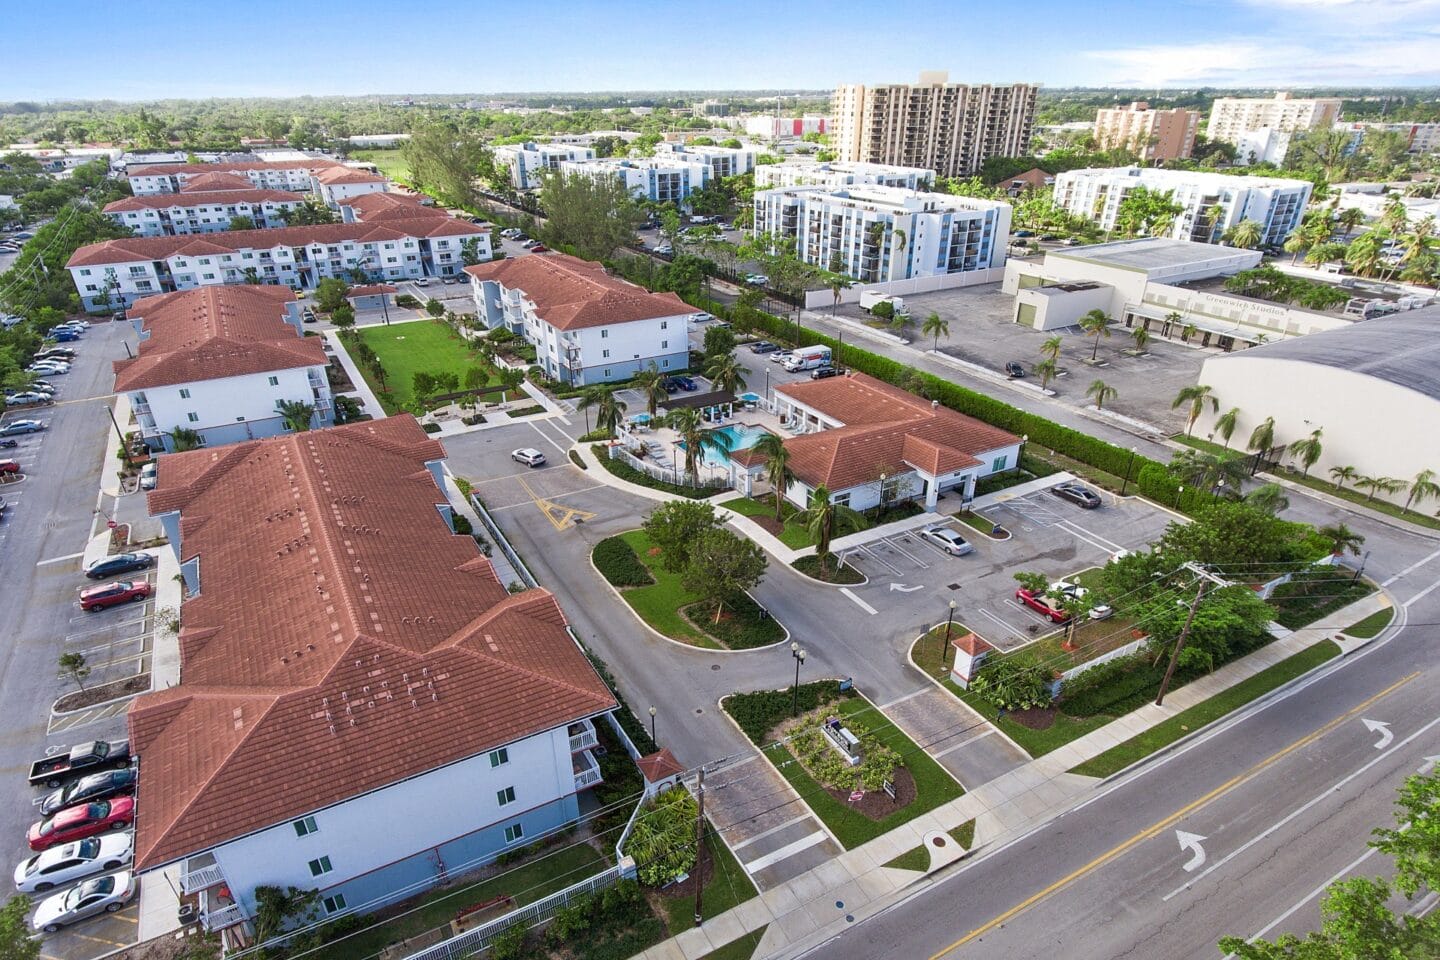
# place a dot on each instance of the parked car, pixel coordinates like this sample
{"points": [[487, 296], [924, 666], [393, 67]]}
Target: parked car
{"points": [[1071, 241], [1050, 237], [1014, 370], [422, 281], [81, 821], [780, 356], [685, 383], [1023, 233], [528, 456], [83, 758], [664, 250], [763, 346], [449, 281], [29, 398], [1074, 591], [64, 336], [118, 564], [756, 279], [948, 540], [74, 861], [1077, 494], [113, 594], [94, 786], [149, 475], [55, 353], [539, 248], [17, 427], [308, 316], [700, 318], [9, 466], [90, 899], [9, 444], [1042, 605], [825, 373], [49, 368], [43, 386], [530, 244]]}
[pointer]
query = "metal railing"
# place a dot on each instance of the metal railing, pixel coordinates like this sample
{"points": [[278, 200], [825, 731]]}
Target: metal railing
{"points": [[676, 476], [226, 916], [202, 878], [499, 540]]}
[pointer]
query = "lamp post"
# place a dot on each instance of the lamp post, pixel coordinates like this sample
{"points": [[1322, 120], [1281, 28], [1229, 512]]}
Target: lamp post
{"points": [[883, 478], [652, 727], [798, 656], [949, 622], [1180, 492], [1128, 464], [1220, 489]]}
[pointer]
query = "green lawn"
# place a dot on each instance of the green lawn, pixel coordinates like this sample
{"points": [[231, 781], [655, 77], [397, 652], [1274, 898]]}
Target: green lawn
{"points": [[406, 349], [1360, 497], [1316, 594], [528, 883], [1371, 625], [916, 858], [740, 949], [978, 521], [1119, 757], [933, 785], [1206, 446], [794, 535], [729, 886], [391, 162], [964, 834]]}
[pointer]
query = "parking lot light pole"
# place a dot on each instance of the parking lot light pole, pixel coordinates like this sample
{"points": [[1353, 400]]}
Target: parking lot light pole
{"points": [[1180, 492], [652, 727], [799, 657], [949, 622], [1128, 464]]}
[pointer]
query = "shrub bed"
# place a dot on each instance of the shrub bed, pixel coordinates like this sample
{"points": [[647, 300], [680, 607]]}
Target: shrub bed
{"points": [[575, 459], [628, 473], [617, 563], [744, 624], [1316, 594], [526, 411], [831, 573], [759, 712]]}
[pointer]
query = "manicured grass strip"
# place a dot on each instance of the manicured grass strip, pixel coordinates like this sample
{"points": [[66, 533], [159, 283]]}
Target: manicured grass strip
{"points": [[406, 349], [1361, 497], [916, 858], [1371, 625], [659, 604], [793, 534], [1205, 446], [1316, 594], [978, 521], [1187, 721], [933, 785], [728, 886], [964, 834], [528, 883], [741, 949]]}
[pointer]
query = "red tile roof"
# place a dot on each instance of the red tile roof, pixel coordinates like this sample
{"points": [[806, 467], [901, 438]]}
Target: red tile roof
{"points": [[338, 175], [132, 249], [886, 430], [215, 182], [370, 290], [196, 169], [972, 644], [215, 332], [165, 201], [655, 767], [374, 207], [343, 639], [570, 293]]}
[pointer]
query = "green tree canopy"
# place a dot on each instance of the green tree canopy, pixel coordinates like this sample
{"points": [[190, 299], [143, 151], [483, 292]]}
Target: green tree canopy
{"points": [[675, 527]]}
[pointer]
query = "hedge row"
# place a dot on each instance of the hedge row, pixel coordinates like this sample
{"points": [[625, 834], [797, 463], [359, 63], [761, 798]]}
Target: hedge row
{"points": [[758, 713], [1160, 485], [617, 562]]}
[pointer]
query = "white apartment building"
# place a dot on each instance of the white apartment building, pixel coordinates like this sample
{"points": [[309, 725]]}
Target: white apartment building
{"points": [[218, 360], [1260, 128], [119, 272], [335, 185], [723, 161], [951, 128], [169, 214], [1276, 204], [587, 326], [882, 234], [666, 178], [296, 176], [365, 710], [840, 173], [1419, 137], [785, 128], [527, 161]]}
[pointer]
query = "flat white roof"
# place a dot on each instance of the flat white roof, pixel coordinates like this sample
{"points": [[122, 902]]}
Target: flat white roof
{"points": [[1151, 254]]}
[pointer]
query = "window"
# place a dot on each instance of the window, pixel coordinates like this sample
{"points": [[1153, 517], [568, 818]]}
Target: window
{"points": [[305, 826], [320, 867], [334, 904], [664, 324], [606, 374], [505, 796], [664, 344], [85, 273], [605, 354], [193, 417], [184, 393], [137, 271], [499, 757], [604, 334], [274, 381], [999, 464], [91, 288], [664, 363], [514, 832]]}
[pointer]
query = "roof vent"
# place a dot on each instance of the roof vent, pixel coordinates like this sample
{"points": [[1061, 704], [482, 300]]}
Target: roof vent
{"points": [[934, 404]]}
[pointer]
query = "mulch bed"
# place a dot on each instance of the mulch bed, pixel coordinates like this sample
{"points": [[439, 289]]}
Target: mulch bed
{"points": [[1036, 718], [768, 524], [686, 888], [113, 690], [340, 381], [876, 804]]}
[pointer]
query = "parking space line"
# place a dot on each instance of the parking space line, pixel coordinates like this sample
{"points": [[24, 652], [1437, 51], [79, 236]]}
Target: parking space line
{"points": [[965, 743], [860, 603], [997, 621], [894, 542], [1074, 532], [879, 559], [1110, 546]]}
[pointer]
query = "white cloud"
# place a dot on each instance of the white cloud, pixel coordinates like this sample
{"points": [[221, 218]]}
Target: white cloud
{"points": [[1311, 62]]}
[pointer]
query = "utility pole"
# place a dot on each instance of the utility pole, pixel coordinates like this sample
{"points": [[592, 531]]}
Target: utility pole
{"points": [[699, 842], [1205, 578]]}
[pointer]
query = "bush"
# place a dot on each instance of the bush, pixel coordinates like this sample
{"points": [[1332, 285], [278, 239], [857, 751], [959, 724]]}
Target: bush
{"points": [[1117, 692], [474, 420], [431, 427], [617, 563], [575, 459], [628, 473], [1016, 682], [407, 301], [509, 944], [757, 713], [527, 411], [595, 436], [462, 524], [663, 838]]}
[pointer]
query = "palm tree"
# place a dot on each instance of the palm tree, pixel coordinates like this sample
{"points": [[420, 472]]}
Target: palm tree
{"points": [[1262, 440], [838, 284], [1269, 497], [1225, 424], [1365, 256], [690, 426], [1378, 485], [1423, 487], [824, 518], [1213, 215], [1046, 369], [590, 397], [1343, 475], [1204, 471], [726, 373], [1141, 336], [651, 384], [1097, 323], [1246, 234], [1340, 539], [1297, 243], [1196, 396], [934, 325], [183, 438], [772, 447], [608, 411], [1051, 347], [1100, 391], [297, 414], [1416, 244], [1308, 449], [1350, 218], [1395, 216], [1171, 318]]}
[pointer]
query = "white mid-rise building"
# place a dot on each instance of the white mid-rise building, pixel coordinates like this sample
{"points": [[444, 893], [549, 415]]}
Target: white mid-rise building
{"points": [[1276, 204], [527, 161], [723, 161], [784, 128], [1260, 127], [297, 176], [881, 234], [335, 185], [668, 178], [1419, 137], [841, 173], [167, 214]]}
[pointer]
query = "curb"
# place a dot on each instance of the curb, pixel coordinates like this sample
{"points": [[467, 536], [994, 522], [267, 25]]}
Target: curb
{"points": [[61, 714], [834, 586], [982, 718], [1359, 509]]}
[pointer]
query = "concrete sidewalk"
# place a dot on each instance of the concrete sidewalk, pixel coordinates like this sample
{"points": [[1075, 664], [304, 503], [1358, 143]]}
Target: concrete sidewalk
{"points": [[368, 401], [817, 905]]}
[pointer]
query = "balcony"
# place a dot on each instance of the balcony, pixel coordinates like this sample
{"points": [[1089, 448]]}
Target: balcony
{"points": [[201, 873], [221, 917], [587, 771], [582, 736]]}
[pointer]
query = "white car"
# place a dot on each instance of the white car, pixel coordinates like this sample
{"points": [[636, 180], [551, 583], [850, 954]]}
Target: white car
{"points": [[74, 861], [780, 356], [49, 368], [528, 456], [149, 475], [948, 540], [91, 898], [1098, 612]]}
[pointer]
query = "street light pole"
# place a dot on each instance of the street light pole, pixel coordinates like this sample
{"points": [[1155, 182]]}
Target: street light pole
{"points": [[1128, 464], [949, 622], [1180, 642], [652, 727], [798, 656], [1178, 494]]}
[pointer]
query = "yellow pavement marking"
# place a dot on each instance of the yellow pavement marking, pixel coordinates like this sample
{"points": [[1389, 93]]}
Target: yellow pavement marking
{"points": [[121, 916], [559, 515], [108, 943], [1157, 827]]}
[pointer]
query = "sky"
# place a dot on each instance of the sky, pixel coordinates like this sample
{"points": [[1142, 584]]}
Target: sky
{"points": [[148, 49]]}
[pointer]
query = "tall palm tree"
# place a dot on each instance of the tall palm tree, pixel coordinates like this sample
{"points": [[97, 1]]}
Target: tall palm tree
{"points": [[838, 284], [1197, 395], [1378, 485], [1225, 424], [690, 426], [1246, 234], [1422, 487], [1417, 244], [1046, 369], [1365, 256], [1395, 216], [1171, 318], [1297, 243], [824, 518], [772, 447], [1051, 347], [651, 384], [183, 438], [1262, 440], [1213, 215], [1100, 391], [1340, 539], [935, 325], [1350, 218], [297, 414], [1343, 475], [590, 397], [1308, 449], [726, 373], [608, 411], [1269, 497], [1141, 336], [1097, 323], [1201, 470]]}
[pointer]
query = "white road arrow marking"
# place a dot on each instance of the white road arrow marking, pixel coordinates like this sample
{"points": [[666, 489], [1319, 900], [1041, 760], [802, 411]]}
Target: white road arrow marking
{"points": [[904, 589], [1429, 764], [1381, 727], [1191, 842]]}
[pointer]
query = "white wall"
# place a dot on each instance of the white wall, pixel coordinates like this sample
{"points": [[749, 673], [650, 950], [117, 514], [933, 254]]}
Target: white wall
{"points": [[333, 193], [228, 402]]}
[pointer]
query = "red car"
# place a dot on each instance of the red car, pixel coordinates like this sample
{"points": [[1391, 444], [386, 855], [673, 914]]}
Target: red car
{"points": [[539, 248], [9, 466], [84, 820], [1041, 605], [110, 594]]}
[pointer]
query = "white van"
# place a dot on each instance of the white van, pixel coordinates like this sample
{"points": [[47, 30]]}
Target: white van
{"points": [[808, 358]]}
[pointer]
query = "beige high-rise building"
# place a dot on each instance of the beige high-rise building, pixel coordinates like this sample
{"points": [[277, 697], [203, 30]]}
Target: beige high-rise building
{"points": [[1152, 134], [950, 128], [1260, 129]]}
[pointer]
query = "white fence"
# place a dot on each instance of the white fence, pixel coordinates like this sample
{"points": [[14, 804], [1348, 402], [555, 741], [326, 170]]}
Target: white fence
{"points": [[666, 474]]}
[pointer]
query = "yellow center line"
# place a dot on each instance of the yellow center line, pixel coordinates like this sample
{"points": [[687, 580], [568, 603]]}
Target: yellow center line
{"points": [[1155, 828]]}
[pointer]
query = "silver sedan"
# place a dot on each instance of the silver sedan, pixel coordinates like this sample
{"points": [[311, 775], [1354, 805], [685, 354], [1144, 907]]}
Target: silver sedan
{"points": [[90, 899]]}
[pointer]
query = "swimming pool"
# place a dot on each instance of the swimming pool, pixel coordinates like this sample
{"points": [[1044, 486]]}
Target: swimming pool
{"points": [[742, 437]]}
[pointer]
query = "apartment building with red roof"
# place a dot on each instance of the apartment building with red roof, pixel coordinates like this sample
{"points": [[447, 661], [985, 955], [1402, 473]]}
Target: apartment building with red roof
{"points": [[378, 207], [870, 444], [339, 183], [364, 709], [194, 211], [294, 175], [220, 361], [587, 326]]}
